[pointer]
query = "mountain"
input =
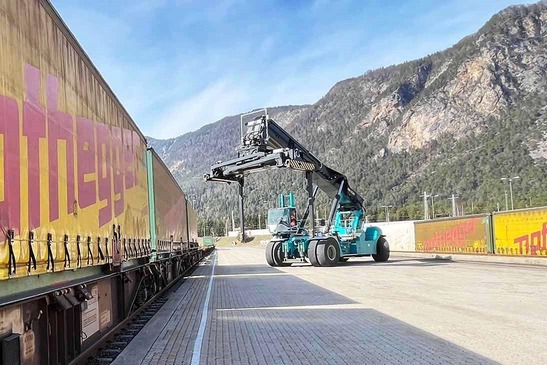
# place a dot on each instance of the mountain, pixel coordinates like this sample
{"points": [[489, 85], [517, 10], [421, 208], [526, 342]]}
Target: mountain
{"points": [[452, 122]]}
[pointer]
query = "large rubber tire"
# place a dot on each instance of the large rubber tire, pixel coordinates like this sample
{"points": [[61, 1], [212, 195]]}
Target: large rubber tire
{"points": [[382, 250], [278, 255], [328, 252], [312, 253], [269, 254]]}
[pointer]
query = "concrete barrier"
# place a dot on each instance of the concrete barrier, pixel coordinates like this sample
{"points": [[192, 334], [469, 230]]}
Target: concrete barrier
{"points": [[400, 235]]}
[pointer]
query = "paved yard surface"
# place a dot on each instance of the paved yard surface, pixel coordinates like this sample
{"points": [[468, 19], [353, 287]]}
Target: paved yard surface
{"points": [[406, 311]]}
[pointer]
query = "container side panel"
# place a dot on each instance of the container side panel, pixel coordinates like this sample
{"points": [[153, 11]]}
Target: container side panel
{"points": [[193, 224], [169, 201], [72, 164]]}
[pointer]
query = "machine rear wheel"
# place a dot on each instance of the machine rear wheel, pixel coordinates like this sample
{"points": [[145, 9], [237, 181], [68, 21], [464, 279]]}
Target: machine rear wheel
{"points": [[312, 253], [382, 250], [328, 252], [277, 255], [270, 254]]}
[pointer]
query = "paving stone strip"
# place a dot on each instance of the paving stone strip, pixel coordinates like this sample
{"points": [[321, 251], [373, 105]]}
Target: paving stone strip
{"points": [[262, 315]]}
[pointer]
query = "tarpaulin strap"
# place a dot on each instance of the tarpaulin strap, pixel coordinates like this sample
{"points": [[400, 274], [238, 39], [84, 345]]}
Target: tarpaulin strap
{"points": [[149, 246], [129, 248], [101, 255], [125, 248], [67, 252], [12, 265], [89, 251], [138, 246], [106, 248], [31, 257], [79, 259], [50, 260], [117, 237]]}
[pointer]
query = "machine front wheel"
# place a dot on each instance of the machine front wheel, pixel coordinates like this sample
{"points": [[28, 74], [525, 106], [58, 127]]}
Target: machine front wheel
{"points": [[312, 253], [270, 254], [328, 252], [382, 250], [278, 255]]}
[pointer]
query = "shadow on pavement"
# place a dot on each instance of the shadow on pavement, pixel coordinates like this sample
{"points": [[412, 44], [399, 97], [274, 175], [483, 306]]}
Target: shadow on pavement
{"points": [[245, 286], [323, 336], [399, 262], [245, 270], [282, 319]]}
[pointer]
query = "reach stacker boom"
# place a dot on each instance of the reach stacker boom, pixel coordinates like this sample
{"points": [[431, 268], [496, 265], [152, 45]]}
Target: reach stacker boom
{"points": [[265, 145]]}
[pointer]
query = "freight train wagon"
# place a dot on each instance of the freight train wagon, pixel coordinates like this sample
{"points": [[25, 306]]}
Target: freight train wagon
{"points": [[92, 223]]}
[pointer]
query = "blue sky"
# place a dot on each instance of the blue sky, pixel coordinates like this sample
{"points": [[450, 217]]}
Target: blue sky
{"points": [[177, 65]]}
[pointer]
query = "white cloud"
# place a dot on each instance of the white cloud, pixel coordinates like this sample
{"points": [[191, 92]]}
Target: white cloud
{"points": [[218, 100]]}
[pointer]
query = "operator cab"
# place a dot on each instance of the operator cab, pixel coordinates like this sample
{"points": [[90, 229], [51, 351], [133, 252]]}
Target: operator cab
{"points": [[282, 220], [347, 223]]}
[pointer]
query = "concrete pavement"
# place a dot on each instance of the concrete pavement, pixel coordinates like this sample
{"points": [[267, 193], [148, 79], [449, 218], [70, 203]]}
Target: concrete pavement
{"points": [[406, 311]]}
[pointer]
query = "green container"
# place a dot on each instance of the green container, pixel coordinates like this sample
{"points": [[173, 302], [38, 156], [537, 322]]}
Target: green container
{"points": [[208, 241]]}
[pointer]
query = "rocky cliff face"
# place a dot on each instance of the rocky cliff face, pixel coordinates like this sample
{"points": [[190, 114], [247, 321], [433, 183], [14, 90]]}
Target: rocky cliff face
{"points": [[474, 109], [452, 92]]}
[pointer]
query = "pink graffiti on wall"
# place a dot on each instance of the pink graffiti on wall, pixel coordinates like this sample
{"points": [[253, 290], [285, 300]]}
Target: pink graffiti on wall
{"points": [[454, 237]]}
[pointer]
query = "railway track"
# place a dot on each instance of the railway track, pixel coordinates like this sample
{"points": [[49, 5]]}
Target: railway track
{"points": [[106, 350], [112, 348]]}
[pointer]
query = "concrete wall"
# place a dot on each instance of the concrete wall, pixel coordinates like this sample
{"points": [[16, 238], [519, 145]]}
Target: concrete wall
{"points": [[252, 233], [400, 235]]}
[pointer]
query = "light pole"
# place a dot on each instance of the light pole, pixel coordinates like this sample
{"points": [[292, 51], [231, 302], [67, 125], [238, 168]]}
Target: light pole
{"points": [[426, 206], [386, 207], [510, 179], [433, 204], [454, 210], [191, 198]]}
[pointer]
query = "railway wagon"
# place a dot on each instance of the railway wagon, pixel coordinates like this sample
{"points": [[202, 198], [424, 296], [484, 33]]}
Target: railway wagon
{"points": [[173, 222], [92, 224]]}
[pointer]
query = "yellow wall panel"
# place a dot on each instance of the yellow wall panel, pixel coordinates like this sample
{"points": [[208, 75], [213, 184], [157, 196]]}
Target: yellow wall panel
{"points": [[521, 232], [459, 235]]}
